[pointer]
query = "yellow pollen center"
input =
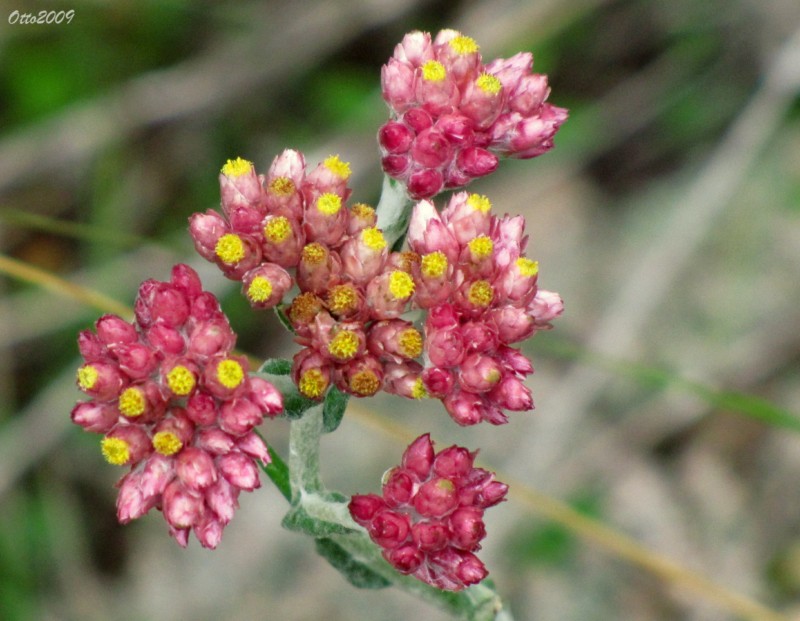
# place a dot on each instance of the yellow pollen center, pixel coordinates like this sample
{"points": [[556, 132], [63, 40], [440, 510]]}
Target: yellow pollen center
{"points": [[314, 254], [312, 384], [181, 380], [489, 84], [87, 377], [115, 450], [342, 298], [464, 45], [282, 186], [480, 293], [527, 267], [237, 167], [401, 285], [410, 342], [277, 229], [305, 307], [344, 345], [434, 264], [418, 390], [230, 373], [479, 202], [337, 167], [260, 289], [132, 402], [167, 443], [362, 210], [365, 383], [433, 71], [230, 248], [373, 238], [329, 204], [481, 247]]}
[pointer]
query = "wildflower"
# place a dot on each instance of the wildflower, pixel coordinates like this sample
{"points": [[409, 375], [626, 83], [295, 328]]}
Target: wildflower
{"points": [[175, 405], [428, 519], [453, 115]]}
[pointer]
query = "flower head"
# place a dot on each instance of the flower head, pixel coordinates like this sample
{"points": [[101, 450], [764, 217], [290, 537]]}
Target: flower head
{"points": [[429, 518], [453, 115], [175, 406]]}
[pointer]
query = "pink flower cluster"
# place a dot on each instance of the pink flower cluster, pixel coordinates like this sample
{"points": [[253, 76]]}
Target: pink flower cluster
{"points": [[177, 406], [481, 295], [352, 289], [429, 519], [453, 115]]}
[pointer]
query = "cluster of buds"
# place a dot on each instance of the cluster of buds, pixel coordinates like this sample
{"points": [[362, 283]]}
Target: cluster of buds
{"points": [[176, 406], [481, 294], [429, 519], [453, 115], [290, 227]]}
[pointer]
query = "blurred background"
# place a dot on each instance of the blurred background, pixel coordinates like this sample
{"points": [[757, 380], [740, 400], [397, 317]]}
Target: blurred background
{"points": [[668, 217]]}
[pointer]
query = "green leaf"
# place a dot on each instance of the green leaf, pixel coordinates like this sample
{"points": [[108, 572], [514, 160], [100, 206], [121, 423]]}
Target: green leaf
{"points": [[276, 366], [333, 410], [278, 472], [298, 519], [295, 404], [284, 319], [355, 572]]}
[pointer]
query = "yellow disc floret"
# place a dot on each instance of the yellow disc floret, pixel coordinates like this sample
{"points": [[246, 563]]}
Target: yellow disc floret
{"points": [[282, 186], [481, 247], [373, 238], [434, 264], [337, 167], [115, 450], [304, 308], [434, 71], [181, 380], [230, 249], [277, 229], [463, 45], [480, 293], [489, 84], [342, 298], [479, 202], [344, 345], [132, 402], [314, 254], [87, 377], [329, 204], [237, 167], [362, 210], [312, 384], [401, 285], [167, 443], [230, 373], [527, 267], [410, 342], [260, 289], [418, 390], [365, 383]]}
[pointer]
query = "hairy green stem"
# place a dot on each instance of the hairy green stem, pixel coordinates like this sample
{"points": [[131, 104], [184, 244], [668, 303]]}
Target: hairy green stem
{"points": [[477, 603]]}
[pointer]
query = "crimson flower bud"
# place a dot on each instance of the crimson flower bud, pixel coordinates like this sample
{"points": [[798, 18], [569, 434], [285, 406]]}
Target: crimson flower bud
{"points": [[95, 417], [113, 330], [398, 487], [389, 529], [240, 471], [395, 137], [182, 507], [363, 508], [195, 468]]}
